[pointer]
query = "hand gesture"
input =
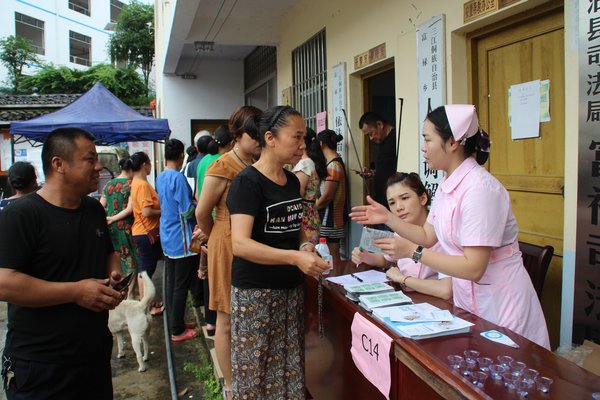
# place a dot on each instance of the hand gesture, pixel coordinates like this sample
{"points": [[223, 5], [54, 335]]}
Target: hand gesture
{"points": [[109, 220], [394, 274], [359, 255], [310, 263], [95, 295], [396, 247], [198, 234], [371, 214]]}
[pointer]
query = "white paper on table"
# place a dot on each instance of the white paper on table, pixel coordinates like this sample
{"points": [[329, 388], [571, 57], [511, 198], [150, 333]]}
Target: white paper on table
{"points": [[525, 110], [414, 316], [370, 276]]}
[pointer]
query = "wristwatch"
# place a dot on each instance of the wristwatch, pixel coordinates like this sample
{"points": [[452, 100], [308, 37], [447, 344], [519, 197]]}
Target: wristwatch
{"points": [[416, 257]]}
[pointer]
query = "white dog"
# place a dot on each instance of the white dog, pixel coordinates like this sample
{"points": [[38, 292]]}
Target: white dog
{"points": [[133, 315]]}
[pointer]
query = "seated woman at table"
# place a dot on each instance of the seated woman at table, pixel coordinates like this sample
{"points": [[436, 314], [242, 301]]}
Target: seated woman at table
{"points": [[408, 199], [472, 220]]}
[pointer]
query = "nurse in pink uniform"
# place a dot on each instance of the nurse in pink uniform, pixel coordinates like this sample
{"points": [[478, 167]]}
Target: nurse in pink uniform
{"points": [[472, 222]]}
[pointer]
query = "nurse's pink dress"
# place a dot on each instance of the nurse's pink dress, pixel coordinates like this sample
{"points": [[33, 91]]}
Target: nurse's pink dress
{"points": [[472, 208]]}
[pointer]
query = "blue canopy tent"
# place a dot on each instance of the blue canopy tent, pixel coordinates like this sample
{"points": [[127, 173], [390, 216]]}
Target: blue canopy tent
{"points": [[97, 111]]}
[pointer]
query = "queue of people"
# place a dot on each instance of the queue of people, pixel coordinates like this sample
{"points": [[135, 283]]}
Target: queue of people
{"points": [[463, 247]]}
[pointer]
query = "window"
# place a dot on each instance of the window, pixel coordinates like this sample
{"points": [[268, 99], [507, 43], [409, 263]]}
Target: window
{"points": [[309, 68], [32, 29], [81, 6], [115, 9], [80, 47]]}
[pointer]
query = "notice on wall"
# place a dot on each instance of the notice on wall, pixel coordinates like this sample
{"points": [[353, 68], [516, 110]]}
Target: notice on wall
{"points": [[321, 121], [5, 153], [525, 110]]}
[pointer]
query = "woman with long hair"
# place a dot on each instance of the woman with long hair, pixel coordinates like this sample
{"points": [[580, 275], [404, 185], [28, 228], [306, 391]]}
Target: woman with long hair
{"points": [[119, 216], [408, 200], [310, 171], [267, 295], [146, 217], [243, 127], [472, 220], [333, 204]]}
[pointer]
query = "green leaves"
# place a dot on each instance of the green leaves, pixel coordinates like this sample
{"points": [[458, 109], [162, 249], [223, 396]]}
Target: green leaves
{"points": [[15, 53], [125, 83], [133, 40]]}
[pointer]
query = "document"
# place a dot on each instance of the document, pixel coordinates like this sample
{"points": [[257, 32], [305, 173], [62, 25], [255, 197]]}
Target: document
{"points": [[370, 276], [369, 235]]}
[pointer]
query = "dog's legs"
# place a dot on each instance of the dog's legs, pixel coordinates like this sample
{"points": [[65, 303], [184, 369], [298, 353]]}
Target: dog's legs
{"points": [[136, 341], [120, 344], [145, 342]]}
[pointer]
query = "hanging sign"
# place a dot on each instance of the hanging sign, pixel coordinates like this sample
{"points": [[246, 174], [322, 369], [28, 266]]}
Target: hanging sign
{"points": [[371, 353], [339, 104], [431, 71]]}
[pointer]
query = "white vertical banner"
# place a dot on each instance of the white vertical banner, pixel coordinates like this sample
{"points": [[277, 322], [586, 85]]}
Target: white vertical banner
{"points": [[339, 104], [431, 72], [148, 148]]}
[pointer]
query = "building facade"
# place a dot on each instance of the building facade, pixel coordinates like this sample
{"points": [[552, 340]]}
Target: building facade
{"points": [[72, 33], [347, 57]]}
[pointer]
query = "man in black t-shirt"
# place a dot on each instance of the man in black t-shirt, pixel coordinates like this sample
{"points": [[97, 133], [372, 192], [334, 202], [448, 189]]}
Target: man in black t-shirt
{"points": [[56, 264], [385, 159]]}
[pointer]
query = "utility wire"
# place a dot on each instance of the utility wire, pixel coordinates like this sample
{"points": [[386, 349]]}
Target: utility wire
{"points": [[225, 20]]}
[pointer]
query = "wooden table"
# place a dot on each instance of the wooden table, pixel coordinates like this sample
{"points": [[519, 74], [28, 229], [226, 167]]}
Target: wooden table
{"points": [[419, 368]]}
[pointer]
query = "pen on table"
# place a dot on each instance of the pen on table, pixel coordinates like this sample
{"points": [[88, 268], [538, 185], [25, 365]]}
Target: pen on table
{"points": [[356, 277]]}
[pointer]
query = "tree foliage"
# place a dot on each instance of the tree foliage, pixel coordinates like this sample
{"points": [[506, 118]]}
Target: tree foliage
{"points": [[125, 83], [133, 40], [15, 53]]}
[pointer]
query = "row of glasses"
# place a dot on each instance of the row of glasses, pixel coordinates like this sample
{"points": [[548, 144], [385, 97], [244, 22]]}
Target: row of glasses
{"points": [[515, 374]]}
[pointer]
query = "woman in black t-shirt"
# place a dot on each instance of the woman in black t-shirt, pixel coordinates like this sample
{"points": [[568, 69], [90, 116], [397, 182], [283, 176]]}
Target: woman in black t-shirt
{"points": [[267, 298]]}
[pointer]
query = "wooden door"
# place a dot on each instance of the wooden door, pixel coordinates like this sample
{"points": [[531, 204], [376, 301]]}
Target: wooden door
{"points": [[531, 169]]}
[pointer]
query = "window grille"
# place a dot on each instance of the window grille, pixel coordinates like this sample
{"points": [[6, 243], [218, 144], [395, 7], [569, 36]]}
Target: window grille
{"points": [[259, 66], [81, 6], [80, 48], [309, 75], [32, 29]]}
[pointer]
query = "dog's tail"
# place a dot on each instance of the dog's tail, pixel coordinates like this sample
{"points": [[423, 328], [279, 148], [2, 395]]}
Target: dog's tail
{"points": [[149, 291]]}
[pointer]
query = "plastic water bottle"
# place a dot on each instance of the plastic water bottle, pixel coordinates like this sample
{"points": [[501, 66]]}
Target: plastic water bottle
{"points": [[323, 251]]}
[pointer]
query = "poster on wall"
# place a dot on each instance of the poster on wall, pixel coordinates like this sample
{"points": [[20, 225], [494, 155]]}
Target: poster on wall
{"points": [[339, 104], [431, 74], [586, 307], [148, 148]]}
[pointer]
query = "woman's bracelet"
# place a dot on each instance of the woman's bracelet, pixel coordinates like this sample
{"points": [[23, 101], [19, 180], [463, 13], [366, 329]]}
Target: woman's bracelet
{"points": [[304, 244], [403, 282]]}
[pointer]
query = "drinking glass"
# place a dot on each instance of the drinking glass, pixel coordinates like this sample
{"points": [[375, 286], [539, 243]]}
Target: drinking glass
{"points": [[522, 387], [517, 368], [543, 383], [478, 378], [466, 366], [509, 380], [454, 361], [471, 354], [530, 374], [484, 363], [497, 370], [504, 360]]}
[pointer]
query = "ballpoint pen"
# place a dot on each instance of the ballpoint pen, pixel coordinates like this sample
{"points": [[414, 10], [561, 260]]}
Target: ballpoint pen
{"points": [[356, 277]]}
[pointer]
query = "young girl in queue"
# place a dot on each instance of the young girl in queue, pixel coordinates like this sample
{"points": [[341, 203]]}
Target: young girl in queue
{"points": [[146, 217], [332, 204], [472, 221], [408, 200], [267, 297], [310, 171]]}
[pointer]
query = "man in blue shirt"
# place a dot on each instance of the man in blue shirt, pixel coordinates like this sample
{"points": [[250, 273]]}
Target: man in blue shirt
{"points": [[177, 221]]}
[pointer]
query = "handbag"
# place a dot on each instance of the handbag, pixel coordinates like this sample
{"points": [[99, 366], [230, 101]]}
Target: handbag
{"points": [[154, 235]]}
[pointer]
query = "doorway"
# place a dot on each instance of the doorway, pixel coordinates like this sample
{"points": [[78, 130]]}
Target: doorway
{"points": [[523, 49], [210, 125], [379, 96]]}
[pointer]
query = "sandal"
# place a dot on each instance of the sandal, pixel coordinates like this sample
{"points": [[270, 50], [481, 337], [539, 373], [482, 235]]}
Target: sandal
{"points": [[227, 393]]}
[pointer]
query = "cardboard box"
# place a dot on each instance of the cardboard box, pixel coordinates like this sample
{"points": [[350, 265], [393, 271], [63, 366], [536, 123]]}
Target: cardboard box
{"points": [[592, 361]]}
